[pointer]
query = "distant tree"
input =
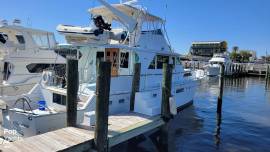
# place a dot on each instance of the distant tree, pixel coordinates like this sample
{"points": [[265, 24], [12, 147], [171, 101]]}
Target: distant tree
{"points": [[224, 46], [240, 56], [245, 55], [234, 56]]}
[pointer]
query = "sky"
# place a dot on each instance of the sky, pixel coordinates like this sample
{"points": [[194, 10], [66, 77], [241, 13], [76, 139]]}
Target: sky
{"points": [[242, 23]]}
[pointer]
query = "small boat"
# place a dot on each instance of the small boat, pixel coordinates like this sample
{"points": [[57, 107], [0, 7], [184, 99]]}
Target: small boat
{"points": [[213, 68], [24, 54]]}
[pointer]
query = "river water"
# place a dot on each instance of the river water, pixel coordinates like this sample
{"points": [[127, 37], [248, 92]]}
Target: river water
{"points": [[245, 121], [244, 124]]}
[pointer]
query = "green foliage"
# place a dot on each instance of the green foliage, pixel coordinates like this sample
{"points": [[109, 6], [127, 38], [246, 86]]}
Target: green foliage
{"points": [[242, 56]]}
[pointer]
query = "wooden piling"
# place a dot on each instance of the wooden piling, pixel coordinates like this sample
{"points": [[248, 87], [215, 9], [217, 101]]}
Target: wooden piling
{"points": [[135, 84], [233, 71], [218, 129], [221, 83], [102, 106], [72, 91], [267, 72], [165, 107], [166, 91], [237, 69]]}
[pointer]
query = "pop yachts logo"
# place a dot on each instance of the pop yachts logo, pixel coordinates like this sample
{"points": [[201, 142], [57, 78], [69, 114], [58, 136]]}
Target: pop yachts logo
{"points": [[9, 135]]}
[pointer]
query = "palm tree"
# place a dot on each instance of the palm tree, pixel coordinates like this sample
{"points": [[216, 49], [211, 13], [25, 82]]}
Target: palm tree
{"points": [[235, 49]]}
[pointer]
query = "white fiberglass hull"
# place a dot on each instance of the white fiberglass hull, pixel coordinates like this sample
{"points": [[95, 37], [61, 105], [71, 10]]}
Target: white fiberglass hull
{"points": [[213, 71], [146, 102]]}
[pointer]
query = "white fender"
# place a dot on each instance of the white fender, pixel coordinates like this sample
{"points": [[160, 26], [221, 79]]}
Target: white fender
{"points": [[173, 108], [10, 67]]}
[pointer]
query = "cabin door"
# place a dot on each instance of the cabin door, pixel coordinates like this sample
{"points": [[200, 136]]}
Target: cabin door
{"points": [[112, 55]]}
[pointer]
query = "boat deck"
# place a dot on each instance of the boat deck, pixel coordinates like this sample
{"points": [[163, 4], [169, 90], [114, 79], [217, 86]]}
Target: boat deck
{"points": [[121, 128]]}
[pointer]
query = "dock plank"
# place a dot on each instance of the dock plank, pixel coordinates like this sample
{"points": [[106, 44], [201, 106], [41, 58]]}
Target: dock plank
{"points": [[121, 128], [52, 141]]}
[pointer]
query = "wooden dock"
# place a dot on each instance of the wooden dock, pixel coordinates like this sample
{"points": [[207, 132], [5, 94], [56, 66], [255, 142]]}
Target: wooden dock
{"points": [[121, 128], [235, 69]]}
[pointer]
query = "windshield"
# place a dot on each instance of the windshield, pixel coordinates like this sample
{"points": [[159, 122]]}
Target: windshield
{"points": [[45, 41], [3, 38]]}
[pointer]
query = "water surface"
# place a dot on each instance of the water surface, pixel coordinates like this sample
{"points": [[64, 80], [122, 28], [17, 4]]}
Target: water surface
{"points": [[243, 126], [245, 121]]}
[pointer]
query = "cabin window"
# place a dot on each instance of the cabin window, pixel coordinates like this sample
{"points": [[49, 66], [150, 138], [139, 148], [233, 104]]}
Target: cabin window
{"points": [[178, 61], [41, 40], [179, 90], [20, 39], [59, 99], [173, 62], [39, 68], [160, 60], [6, 71], [52, 42], [3, 38], [124, 58], [121, 100], [108, 53], [152, 64], [100, 57]]}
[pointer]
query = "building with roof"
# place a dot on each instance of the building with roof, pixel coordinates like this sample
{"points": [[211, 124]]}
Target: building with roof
{"points": [[204, 50]]}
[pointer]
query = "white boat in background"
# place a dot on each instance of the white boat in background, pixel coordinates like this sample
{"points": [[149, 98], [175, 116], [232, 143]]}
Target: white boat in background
{"points": [[140, 39], [24, 54], [213, 68], [196, 74]]}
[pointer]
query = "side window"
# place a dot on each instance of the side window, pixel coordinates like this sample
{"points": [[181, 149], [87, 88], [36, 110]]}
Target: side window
{"points": [[51, 41], [178, 61], [3, 38], [152, 64], [99, 57], [41, 40], [161, 60], [20, 39], [37, 68], [173, 62], [59, 99], [124, 58]]}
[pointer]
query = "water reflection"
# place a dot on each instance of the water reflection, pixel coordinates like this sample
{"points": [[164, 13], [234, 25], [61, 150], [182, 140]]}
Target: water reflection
{"points": [[218, 128]]}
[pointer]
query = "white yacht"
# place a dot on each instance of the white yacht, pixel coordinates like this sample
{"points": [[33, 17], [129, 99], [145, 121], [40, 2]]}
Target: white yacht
{"points": [[139, 39], [24, 54], [213, 68]]}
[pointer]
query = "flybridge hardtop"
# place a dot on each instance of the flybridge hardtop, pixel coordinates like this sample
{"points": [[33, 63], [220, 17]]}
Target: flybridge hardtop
{"points": [[127, 9]]}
